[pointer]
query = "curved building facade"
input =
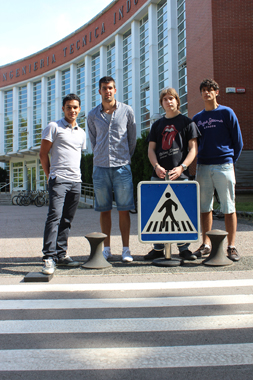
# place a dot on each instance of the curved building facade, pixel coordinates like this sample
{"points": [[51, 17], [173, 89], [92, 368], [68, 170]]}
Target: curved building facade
{"points": [[141, 43]]}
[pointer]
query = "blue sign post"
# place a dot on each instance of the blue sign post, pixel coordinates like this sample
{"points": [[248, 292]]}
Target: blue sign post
{"points": [[168, 211]]}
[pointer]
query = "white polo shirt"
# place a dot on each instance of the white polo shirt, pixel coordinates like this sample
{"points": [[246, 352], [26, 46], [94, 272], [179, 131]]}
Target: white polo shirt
{"points": [[66, 150]]}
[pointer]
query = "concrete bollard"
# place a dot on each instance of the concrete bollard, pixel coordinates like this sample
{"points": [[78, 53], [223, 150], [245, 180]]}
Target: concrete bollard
{"points": [[96, 259], [217, 256]]}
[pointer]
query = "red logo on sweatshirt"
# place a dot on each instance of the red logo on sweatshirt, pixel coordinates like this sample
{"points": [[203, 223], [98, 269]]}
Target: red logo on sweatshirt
{"points": [[169, 135]]}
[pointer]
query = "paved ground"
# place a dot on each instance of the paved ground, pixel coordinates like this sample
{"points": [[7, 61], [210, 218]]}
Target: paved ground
{"points": [[21, 230]]}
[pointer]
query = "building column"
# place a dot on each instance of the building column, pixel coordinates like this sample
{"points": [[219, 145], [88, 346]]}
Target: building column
{"points": [[15, 119], [153, 60], [119, 66], [135, 33], [43, 102], [88, 96], [103, 61], [73, 78], [172, 44], [29, 114]]}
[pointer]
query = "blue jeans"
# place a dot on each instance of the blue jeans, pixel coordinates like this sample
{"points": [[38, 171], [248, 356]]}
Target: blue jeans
{"points": [[63, 201], [181, 246], [109, 180]]}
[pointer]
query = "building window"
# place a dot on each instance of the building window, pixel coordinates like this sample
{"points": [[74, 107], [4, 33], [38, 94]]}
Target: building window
{"points": [[162, 33], [144, 74], [42, 178], [95, 76], [37, 114], [182, 68], [65, 85], [50, 99], [22, 118], [111, 60], [80, 90], [17, 175], [8, 121], [127, 68]]}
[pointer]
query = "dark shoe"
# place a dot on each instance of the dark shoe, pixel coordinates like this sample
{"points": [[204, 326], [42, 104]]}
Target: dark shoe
{"points": [[153, 254], [187, 255], [66, 261], [233, 254], [202, 251]]}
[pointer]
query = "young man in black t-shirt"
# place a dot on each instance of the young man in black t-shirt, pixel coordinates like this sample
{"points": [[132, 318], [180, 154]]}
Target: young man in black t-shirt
{"points": [[172, 147]]}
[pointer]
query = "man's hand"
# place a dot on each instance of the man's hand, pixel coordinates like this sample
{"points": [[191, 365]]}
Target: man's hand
{"points": [[175, 173]]}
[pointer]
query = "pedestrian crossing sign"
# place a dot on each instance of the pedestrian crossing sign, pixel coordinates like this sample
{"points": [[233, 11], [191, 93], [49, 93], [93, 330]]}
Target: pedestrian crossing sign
{"points": [[168, 211]]}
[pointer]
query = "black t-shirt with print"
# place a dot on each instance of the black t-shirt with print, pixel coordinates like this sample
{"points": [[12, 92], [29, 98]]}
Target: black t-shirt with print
{"points": [[171, 137]]}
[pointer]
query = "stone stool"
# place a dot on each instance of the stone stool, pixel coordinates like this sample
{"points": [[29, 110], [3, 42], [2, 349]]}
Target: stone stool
{"points": [[96, 259], [217, 256]]}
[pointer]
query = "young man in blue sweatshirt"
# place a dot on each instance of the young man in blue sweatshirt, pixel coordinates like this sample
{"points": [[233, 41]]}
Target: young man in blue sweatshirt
{"points": [[220, 145]]}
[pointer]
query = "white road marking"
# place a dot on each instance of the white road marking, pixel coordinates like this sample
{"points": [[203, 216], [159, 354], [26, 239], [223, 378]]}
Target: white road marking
{"points": [[45, 287], [126, 357], [108, 303], [56, 326]]}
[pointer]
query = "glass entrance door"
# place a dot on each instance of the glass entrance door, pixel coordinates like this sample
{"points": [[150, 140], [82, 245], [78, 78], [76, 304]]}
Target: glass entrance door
{"points": [[31, 177]]}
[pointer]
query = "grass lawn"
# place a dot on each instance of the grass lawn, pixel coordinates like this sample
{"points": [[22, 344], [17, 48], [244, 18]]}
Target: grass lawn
{"points": [[240, 205]]}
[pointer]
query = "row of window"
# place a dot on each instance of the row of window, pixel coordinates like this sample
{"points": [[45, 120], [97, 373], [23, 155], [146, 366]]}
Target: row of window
{"points": [[144, 71]]}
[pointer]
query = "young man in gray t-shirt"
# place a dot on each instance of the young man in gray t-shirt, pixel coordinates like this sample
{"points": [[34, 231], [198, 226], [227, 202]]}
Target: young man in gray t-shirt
{"points": [[64, 140]]}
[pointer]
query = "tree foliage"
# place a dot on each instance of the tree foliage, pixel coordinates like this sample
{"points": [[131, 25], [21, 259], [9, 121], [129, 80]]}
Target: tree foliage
{"points": [[87, 167], [141, 167]]}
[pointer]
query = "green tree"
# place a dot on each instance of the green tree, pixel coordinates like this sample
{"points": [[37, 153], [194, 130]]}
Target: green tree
{"points": [[141, 167], [87, 168]]}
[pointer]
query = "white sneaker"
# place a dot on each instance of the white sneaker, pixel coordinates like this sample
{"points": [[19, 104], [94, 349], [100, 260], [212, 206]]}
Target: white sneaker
{"points": [[49, 266], [126, 256], [107, 254]]}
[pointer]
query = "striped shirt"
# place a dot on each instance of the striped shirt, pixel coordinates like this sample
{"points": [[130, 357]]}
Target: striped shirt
{"points": [[113, 142]]}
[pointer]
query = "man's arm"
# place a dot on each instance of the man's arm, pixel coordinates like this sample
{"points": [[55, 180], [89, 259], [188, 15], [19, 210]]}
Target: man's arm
{"points": [[160, 171], [236, 137], [44, 156], [192, 153], [131, 133], [92, 132]]}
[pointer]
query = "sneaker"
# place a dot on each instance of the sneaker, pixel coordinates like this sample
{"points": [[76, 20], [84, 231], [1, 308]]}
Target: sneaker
{"points": [[187, 255], [233, 254], [154, 254], [126, 256], [202, 251], [48, 267], [66, 261], [107, 254]]}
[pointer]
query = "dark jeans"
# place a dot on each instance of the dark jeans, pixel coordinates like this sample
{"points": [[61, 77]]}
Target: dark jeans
{"points": [[63, 201]]}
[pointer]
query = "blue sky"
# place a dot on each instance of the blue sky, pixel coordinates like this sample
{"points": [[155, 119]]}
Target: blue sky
{"points": [[28, 26]]}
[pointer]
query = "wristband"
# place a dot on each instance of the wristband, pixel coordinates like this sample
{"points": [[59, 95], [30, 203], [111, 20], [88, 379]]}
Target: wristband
{"points": [[156, 166]]}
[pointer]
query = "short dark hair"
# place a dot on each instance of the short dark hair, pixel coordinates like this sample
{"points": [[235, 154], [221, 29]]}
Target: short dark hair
{"points": [[71, 97], [209, 84], [106, 79]]}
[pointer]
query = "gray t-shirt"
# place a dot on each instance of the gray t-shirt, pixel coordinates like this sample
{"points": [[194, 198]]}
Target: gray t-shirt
{"points": [[66, 150]]}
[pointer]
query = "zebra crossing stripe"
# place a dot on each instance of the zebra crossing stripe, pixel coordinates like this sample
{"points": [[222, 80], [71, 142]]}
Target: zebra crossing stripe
{"points": [[52, 326], [126, 358], [27, 287], [109, 303]]}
